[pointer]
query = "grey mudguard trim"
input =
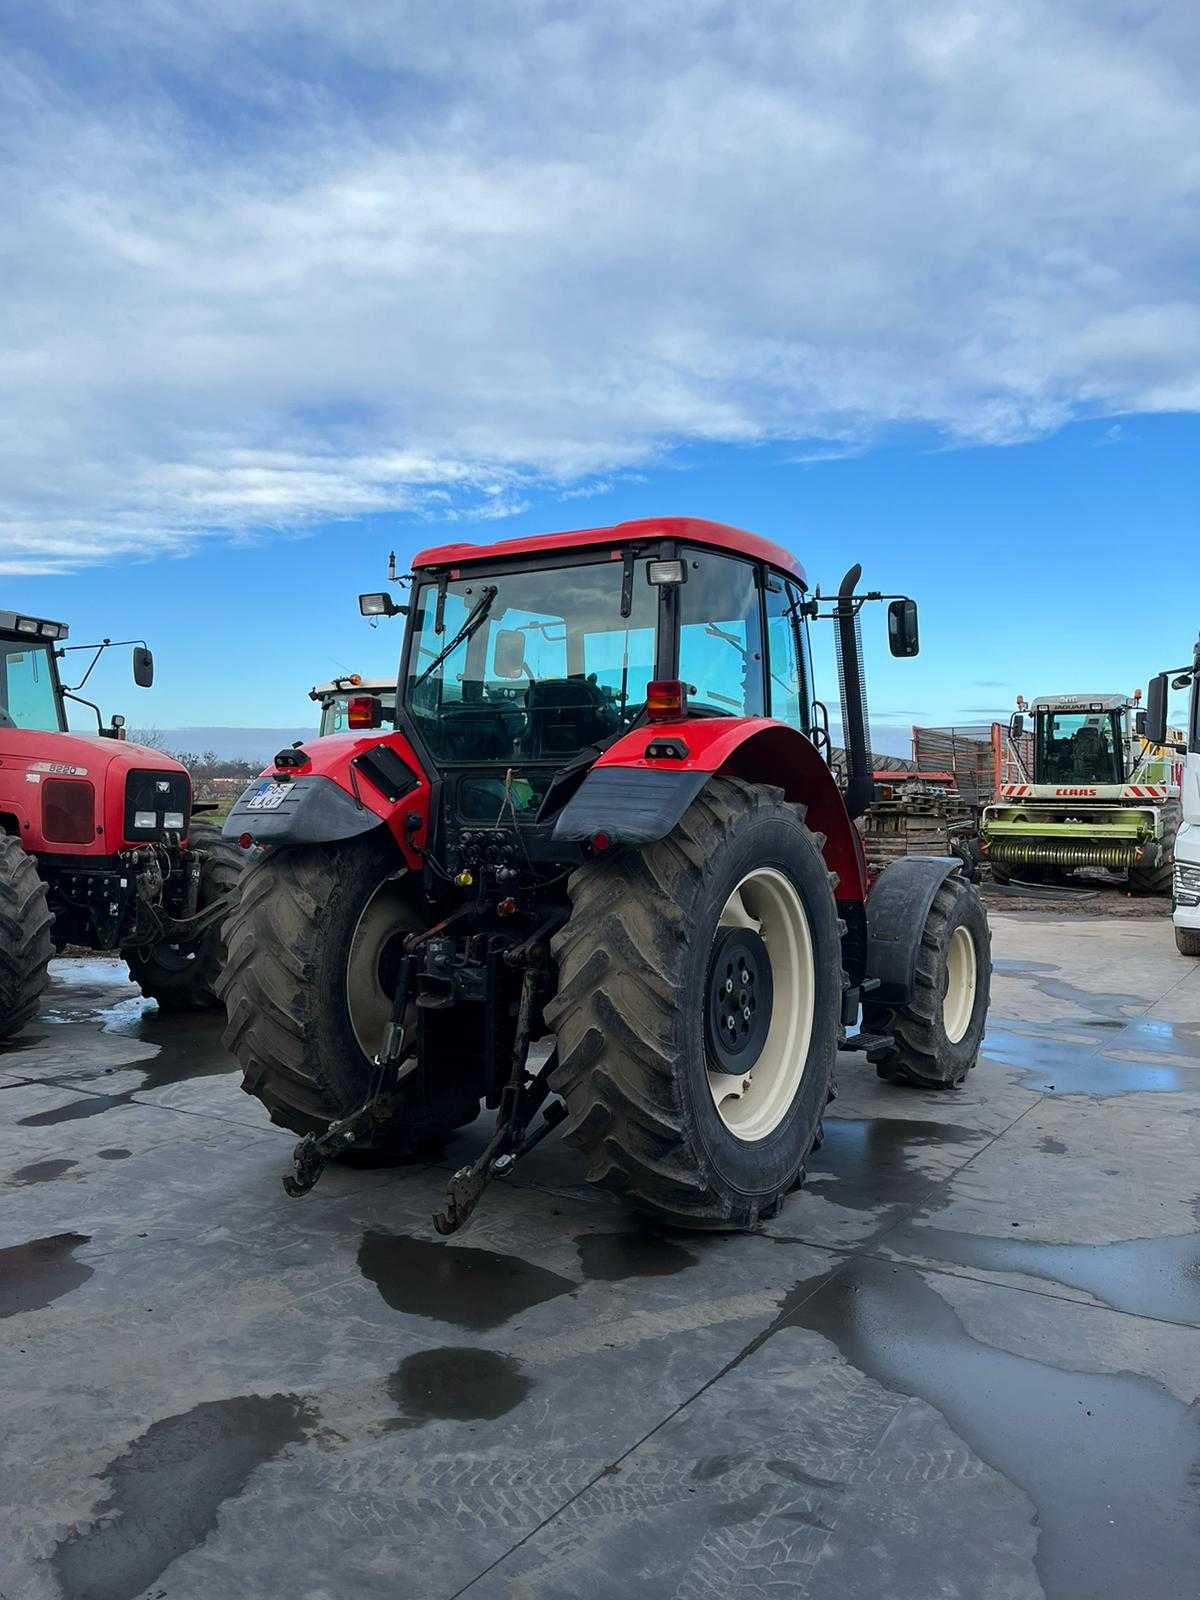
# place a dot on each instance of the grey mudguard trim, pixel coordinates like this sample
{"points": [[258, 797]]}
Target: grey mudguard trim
{"points": [[897, 907], [315, 811], [632, 805]]}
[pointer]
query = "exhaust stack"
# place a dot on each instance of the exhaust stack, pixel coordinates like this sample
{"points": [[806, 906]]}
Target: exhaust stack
{"points": [[856, 733]]}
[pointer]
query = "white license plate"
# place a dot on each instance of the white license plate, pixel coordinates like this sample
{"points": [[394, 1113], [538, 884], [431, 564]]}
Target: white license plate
{"points": [[267, 796]]}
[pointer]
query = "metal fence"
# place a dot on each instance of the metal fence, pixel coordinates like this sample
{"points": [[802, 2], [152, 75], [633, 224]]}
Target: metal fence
{"points": [[968, 752]]}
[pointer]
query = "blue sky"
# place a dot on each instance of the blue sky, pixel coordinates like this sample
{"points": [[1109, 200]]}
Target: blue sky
{"points": [[289, 285]]}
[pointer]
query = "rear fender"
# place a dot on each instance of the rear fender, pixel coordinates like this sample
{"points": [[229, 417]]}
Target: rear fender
{"points": [[337, 788], [636, 799], [897, 908]]}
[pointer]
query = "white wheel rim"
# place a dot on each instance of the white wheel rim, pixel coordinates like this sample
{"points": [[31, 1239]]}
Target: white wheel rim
{"points": [[961, 979], [383, 921], [753, 1105]]}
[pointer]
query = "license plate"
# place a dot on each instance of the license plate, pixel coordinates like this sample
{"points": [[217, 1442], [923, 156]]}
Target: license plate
{"points": [[267, 796]]}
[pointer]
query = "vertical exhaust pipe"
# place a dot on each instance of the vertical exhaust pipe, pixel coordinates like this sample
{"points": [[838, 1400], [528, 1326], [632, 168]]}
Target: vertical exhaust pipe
{"points": [[860, 786]]}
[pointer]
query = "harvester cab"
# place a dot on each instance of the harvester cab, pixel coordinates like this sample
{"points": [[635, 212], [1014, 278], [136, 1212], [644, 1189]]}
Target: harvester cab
{"points": [[1185, 746], [1096, 791], [604, 826], [98, 847]]}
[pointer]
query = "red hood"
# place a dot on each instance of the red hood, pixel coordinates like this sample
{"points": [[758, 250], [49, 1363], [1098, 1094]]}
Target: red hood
{"points": [[93, 754]]}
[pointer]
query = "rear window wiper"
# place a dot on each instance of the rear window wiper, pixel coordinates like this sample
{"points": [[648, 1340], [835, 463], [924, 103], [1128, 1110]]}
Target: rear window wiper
{"points": [[475, 620]]}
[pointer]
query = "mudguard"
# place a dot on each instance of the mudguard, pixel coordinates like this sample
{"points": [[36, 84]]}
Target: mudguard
{"points": [[897, 908], [636, 799], [337, 788]]}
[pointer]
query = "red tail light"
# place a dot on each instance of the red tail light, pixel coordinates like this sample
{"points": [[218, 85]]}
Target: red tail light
{"points": [[362, 711], [666, 700]]}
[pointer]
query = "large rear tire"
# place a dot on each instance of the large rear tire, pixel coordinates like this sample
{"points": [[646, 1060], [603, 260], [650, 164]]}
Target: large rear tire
{"points": [[1157, 879], [934, 1040], [700, 983], [314, 944], [25, 942], [182, 975], [1187, 941]]}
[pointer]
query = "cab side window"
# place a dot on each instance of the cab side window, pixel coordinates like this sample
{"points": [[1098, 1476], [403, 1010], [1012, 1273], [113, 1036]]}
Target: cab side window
{"points": [[787, 678], [720, 636]]}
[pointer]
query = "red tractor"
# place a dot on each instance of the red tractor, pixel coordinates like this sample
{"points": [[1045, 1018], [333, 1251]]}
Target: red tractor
{"points": [[97, 843], [600, 870]]}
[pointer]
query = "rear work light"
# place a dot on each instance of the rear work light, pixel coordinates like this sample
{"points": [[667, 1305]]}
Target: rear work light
{"points": [[666, 572], [666, 699]]}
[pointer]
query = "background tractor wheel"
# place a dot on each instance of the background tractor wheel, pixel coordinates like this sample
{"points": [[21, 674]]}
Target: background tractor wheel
{"points": [[1157, 880], [183, 976], [1000, 874], [1187, 941], [700, 984], [25, 942], [314, 947], [935, 1038]]}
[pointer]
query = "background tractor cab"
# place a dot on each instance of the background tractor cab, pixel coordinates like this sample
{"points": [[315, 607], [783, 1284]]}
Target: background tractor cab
{"points": [[1099, 791], [355, 702], [97, 844], [1185, 888], [606, 814]]}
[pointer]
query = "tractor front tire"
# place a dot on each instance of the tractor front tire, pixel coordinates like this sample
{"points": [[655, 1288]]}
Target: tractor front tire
{"points": [[182, 975], [314, 945], [700, 984], [1187, 941], [25, 942], [934, 1039], [1157, 879]]}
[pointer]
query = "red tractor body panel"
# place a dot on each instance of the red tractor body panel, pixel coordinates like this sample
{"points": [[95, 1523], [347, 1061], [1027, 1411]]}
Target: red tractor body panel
{"points": [[687, 530], [760, 750], [71, 763]]}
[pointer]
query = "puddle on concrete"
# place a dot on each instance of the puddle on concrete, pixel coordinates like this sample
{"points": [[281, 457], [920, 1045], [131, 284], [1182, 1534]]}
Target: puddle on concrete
{"points": [[471, 1288], [1051, 1147], [115, 1154], [869, 1162], [39, 1172], [637, 1253], [167, 1488], [456, 1385], [89, 1105], [1109, 1461], [36, 1274], [1149, 1277], [1053, 1065]]}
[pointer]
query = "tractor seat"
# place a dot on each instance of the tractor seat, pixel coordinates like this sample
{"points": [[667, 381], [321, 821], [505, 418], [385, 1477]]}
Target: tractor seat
{"points": [[565, 715]]}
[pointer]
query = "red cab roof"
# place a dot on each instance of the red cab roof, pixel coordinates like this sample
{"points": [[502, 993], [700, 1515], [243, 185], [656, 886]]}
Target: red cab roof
{"points": [[688, 530]]}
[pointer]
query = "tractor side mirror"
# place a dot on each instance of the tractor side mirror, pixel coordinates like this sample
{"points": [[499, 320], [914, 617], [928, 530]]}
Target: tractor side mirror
{"points": [[904, 638], [143, 666], [1139, 724], [509, 658], [1016, 725], [1156, 710]]}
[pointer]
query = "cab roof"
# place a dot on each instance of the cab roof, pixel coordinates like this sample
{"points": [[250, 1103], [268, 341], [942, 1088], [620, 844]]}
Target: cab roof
{"points": [[688, 530], [1080, 702], [364, 685]]}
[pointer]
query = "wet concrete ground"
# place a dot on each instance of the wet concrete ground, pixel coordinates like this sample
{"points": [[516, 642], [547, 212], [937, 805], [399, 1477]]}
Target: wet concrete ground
{"points": [[964, 1362]]}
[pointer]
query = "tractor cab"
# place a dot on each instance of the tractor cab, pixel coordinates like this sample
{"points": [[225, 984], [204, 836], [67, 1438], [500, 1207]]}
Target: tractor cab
{"points": [[1080, 739], [31, 695]]}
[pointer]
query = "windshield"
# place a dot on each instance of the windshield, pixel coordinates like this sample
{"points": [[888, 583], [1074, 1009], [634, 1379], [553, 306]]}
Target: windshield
{"points": [[1079, 747], [27, 697], [333, 710], [548, 667]]}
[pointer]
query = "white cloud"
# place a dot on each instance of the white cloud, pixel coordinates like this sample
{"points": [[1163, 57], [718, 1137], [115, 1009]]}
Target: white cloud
{"points": [[269, 263]]}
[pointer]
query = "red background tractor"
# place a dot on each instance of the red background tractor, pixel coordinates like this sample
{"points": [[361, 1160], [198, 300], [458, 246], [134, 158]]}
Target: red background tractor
{"points": [[98, 847]]}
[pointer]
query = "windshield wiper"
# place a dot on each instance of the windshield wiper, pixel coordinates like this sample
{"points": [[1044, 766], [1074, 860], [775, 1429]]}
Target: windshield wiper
{"points": [[476, 620]]}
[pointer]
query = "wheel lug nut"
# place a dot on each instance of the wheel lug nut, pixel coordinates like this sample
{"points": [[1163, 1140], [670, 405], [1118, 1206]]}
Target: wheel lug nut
{"points": [[746, 1013], [728, 985]]}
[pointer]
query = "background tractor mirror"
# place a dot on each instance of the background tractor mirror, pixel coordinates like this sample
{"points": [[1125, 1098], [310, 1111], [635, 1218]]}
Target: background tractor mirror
{"points": [[904, 637], [143, 666], [509, 661], [1139, 724], [1016, 725], [1156, 710]]}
